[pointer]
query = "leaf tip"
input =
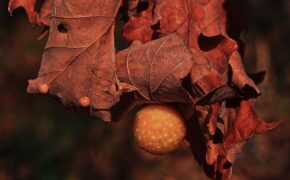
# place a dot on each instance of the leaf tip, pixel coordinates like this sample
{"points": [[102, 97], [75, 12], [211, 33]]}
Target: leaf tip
{"points": [[263, 126]]}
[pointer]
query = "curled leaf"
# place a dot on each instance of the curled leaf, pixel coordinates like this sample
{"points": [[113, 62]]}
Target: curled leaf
{"points": [[156, 68], [241, 122]]}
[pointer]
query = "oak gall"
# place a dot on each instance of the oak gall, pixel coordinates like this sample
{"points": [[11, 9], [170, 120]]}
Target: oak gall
{"points": [[159, 129]]}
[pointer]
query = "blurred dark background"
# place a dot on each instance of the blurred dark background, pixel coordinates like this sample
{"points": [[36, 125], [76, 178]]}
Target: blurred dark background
{"points": [[40, 139]]}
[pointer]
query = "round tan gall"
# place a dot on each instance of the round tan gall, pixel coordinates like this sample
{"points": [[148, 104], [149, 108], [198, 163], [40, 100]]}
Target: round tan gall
{"points": [[159, 129]]}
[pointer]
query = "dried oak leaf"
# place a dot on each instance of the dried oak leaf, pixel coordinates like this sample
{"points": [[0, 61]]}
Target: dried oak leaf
{"points": [[226, 129], [156, 68], [245, 123], [237, 125], [79, 58], [202, 25]]}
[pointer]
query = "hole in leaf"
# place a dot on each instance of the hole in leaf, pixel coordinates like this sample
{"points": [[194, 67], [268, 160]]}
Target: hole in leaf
{"points": [[227, 165], [218, 136], [195, 137], [258, 77], [208, 43], [156, 27], [220, 120], [218, 175], [38, 5], [120, 41], [230, 73], [142, 6], [233, 103], [210, 170], [186, 84], [62, 28], [249, 92]]}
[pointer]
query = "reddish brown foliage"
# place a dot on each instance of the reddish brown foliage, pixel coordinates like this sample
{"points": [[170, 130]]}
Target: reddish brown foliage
{"points": [[188, 58], [156, 68]]}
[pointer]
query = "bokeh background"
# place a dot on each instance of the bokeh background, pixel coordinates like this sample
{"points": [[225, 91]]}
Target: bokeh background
{"points": [[40, 139]]}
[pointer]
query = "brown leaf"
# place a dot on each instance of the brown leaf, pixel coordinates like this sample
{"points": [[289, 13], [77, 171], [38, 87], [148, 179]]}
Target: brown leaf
{"points": [[194, 61], [196, 22], [237, 125], [156, 68], [202, 25], [193, 20], [79, 58], [244, 125]]}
